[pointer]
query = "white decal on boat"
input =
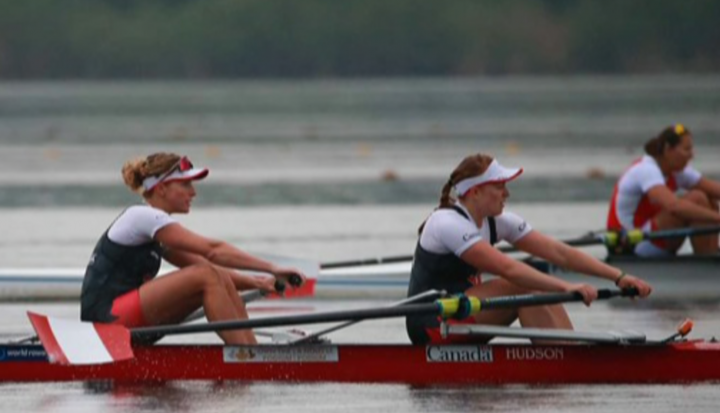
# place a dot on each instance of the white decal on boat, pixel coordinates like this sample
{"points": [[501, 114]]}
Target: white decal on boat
{"points": [[459, 354], [281, 354], [535, 353]]}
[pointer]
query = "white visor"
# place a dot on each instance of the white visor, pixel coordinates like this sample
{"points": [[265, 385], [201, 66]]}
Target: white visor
{"points": [[494, 173], [190, 175]]}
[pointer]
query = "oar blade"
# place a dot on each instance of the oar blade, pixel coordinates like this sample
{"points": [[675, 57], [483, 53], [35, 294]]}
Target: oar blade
{"points": [[75, 342]]}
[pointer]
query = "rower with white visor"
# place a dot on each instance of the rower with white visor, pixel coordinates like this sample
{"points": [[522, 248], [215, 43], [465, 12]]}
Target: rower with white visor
{"points": [[455, 247], [120, 283]]}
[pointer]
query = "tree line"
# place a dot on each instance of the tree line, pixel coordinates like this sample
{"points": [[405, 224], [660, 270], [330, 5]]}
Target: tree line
{"points": [[99, 39]]}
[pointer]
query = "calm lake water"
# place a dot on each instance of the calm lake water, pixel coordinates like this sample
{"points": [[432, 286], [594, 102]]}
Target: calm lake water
{"points": [[335, 170]]}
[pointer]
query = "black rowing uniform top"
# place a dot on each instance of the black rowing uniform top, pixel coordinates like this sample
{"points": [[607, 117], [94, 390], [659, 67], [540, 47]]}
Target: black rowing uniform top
{"points": [[447, 234], [125, 256]]}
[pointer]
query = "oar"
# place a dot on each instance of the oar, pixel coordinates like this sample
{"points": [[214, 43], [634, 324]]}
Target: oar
{"points": [[609, 238], [635, 236], [424, 296], [73, 342]]}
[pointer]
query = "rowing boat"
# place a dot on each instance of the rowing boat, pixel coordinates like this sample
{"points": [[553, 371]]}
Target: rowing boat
{"points": [[77, 351], [681, 362]]}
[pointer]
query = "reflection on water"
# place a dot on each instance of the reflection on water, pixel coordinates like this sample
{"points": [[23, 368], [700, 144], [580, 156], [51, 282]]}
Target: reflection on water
{"points": [[267, 397], [168, 396], [590, 399]]}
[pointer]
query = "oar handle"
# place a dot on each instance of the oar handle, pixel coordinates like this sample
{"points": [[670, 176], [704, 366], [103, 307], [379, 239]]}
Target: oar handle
{"points": [[279, 287], [604, 294], [528, 300], [295, 280]]}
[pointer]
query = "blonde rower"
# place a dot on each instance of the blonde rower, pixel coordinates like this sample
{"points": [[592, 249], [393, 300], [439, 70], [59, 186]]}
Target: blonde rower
{"points": [[120, 284]]}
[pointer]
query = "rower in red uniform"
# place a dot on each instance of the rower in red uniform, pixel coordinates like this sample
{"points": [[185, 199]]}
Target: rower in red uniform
{"points": [[455, 247], [646, 195], [120, 284]]}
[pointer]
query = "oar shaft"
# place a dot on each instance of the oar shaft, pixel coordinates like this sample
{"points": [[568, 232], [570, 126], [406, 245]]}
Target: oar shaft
{"points": [[526, 300], [361, 314], [444, 307], [367, 261], [425, 296], [682, 232]]}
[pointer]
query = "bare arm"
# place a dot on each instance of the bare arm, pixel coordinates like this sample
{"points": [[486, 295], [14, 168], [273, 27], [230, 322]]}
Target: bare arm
{"points": [[710, 187], [178, 238], [183, 259], [565, 256], [668, 201], [484, 257]]}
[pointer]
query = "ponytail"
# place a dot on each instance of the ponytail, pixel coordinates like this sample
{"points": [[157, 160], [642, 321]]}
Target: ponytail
{"points": [[655, 147], [446, 201]]}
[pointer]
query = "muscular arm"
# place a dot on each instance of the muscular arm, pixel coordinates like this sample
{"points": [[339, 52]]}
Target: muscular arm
{"points": [[576, 260], [180, 239], [565, 256], [183, 259], [484, 257]]}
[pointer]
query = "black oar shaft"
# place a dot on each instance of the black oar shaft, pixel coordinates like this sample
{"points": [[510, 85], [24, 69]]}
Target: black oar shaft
{"points": [[526, 300], [682, 232], [367, 261], [439, 307], [361, 314]]}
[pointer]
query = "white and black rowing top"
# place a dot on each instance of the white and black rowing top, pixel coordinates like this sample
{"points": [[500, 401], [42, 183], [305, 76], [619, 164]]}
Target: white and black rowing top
{"points": [[125, 256]]}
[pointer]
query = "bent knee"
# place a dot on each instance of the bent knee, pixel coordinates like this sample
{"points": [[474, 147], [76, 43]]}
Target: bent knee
{"points": [[207, 273], [699, 198], [496, 287]]}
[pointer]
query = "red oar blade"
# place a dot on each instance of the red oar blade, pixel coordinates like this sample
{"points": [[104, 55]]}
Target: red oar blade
{"points": [[75, 342]]}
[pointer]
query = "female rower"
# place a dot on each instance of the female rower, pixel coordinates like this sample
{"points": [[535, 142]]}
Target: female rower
{"points": [[456, 246], [645, 196], [120, 284]]}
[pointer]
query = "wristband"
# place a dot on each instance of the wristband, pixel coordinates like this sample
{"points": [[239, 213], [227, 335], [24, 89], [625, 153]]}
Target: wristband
{"points": [[622, 275]]}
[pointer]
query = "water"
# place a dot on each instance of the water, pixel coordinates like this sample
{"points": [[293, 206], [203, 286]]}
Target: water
{"points": [[337, 170]]}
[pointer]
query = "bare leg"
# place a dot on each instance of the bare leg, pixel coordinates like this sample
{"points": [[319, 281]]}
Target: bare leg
{"points": [[552, 316], [705, 244], [240, 308], [174, 296]]}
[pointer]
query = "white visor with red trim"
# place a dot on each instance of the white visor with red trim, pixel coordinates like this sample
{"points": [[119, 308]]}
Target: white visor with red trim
{"points": [[494, 173], [183, 170]]}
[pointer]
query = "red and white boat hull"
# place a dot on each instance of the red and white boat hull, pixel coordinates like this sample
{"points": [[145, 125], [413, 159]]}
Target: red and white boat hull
{"points": [[684, 362]]}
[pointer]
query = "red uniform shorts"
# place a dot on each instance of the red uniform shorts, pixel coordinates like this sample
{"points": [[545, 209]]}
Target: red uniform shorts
{"points": [[128, 310]]}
